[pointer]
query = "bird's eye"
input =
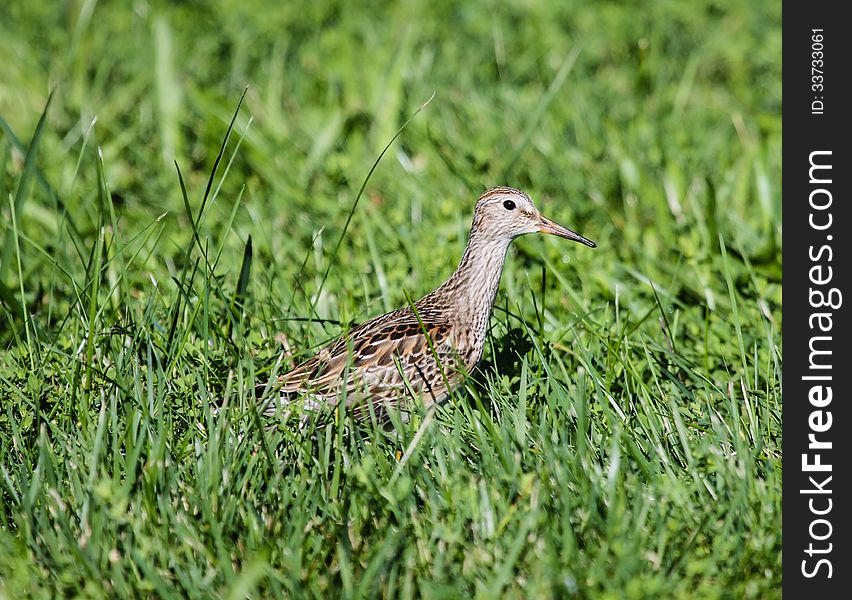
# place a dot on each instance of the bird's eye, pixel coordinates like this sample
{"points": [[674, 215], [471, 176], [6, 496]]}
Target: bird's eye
{"points": [[509, 205]]}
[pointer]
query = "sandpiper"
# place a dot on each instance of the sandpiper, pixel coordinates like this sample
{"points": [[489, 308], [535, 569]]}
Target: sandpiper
{"points": [[423, 351]]}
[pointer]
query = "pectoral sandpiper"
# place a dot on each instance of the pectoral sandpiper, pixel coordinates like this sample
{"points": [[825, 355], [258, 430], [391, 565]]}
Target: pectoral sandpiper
{"points": [[420, 352]]}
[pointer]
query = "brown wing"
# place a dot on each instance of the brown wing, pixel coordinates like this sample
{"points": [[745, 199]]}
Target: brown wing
{"points": [[388, 359]]}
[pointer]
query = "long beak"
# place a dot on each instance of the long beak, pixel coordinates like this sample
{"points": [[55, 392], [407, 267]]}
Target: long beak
{"points": [[548, 226]]}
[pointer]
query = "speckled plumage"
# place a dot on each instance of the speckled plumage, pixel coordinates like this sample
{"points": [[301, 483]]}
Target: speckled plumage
{"points": [[387, 361]]}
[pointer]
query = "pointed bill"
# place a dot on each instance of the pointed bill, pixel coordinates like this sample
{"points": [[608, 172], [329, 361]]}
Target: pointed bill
{"points": [[548, 226]]}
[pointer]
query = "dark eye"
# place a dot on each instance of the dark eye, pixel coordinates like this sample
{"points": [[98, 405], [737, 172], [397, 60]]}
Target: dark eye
{"points": [[509, 205]]}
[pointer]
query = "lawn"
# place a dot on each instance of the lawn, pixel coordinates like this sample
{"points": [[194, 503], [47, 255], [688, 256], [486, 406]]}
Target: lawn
{"points": [[180, 216]]}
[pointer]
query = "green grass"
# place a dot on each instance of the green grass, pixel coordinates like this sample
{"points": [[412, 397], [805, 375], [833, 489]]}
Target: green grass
{"points": [[621, 438]]}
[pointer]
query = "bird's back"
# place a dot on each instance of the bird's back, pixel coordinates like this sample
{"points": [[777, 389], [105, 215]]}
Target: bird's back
{"points": [[383, 364]]}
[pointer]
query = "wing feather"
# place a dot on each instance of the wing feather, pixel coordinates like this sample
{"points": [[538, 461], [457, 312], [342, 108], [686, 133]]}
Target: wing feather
{"points": [[363, 364]]}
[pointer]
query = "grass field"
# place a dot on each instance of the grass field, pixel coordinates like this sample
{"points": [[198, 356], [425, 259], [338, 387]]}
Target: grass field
{"points": [[621, 438]]}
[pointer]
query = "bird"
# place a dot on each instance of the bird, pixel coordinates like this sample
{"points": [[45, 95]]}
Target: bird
{"points": [[424, 350]]}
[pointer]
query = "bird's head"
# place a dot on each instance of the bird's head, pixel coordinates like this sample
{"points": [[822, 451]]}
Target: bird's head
{"points": [[504, 213]]}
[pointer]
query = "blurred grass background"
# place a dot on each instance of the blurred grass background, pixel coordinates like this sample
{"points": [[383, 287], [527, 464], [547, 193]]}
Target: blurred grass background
{"points": [[621, 439]]}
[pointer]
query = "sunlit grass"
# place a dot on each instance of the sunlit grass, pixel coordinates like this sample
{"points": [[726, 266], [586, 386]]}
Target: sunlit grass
{"points": [[622, 436]]}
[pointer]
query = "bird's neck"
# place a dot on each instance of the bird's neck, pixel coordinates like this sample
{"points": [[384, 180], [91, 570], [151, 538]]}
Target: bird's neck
{"points": [[471, 289]]}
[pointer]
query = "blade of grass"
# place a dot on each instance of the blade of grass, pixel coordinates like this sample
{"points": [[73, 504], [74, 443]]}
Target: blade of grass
{"points": [[24, 186], [332, 261]]}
